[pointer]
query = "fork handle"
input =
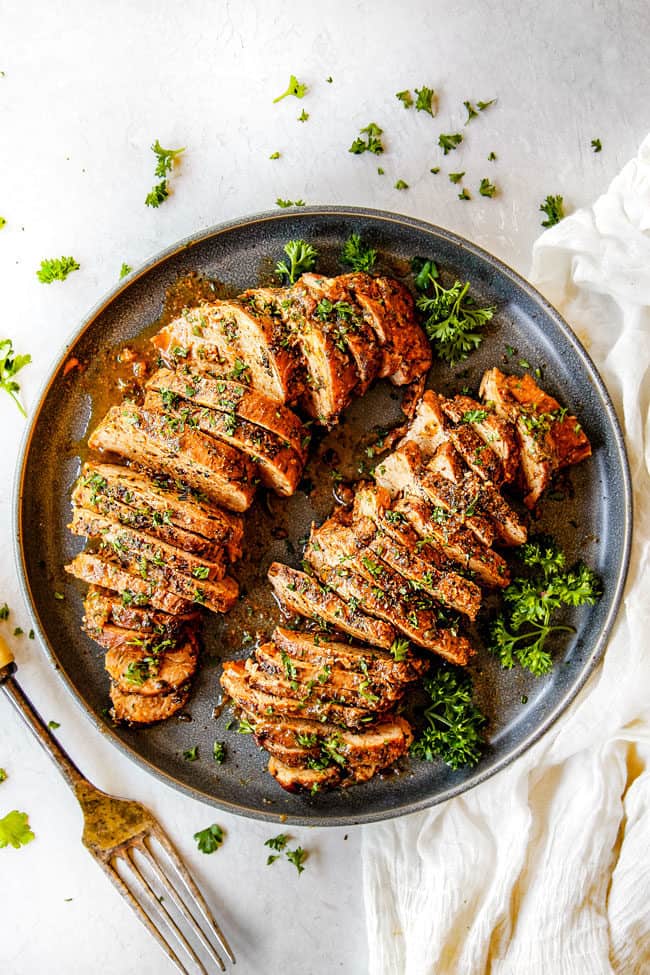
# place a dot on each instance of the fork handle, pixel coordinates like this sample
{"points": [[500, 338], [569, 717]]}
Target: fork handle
{"points": [[34, 722]]}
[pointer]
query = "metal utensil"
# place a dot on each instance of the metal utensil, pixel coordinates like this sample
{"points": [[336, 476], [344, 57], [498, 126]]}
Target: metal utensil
{"points": [[119, 834]]}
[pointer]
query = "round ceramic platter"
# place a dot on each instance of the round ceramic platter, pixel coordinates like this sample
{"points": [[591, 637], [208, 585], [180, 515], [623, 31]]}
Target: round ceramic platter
{"points": [[591, 519]]}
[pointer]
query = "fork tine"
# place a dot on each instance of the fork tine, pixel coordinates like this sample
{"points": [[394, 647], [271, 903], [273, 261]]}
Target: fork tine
{"points": [[169, 885], [188, 880], [161, 907], [135, 905]]}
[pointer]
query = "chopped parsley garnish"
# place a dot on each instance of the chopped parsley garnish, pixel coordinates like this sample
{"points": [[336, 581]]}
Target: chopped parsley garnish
{"points": [[596, 145], [302, 257], [450, 142], [157, 195], [465, 195], [474, 416], [288, 203], [295, 88], [372, 144], [274, 155], [303, 116], [3, 775], [453, 320], [329, 80], [435, 170], [483, 105], [456, 177], [401, 185], [201, 571], [487, 188], [10, 365], [245, 727], [3, 222], [492, 156], [56, 269], [405, 97], [520, 631], [209, 839], [277, 843], [471, 112], [124, 270], [15, 830], [380, 171], [553, 207], [357, 256], [59, 595], [426, 100], [53, 725], [297, 857], [191, 754], [453, 730], [4, 612]]}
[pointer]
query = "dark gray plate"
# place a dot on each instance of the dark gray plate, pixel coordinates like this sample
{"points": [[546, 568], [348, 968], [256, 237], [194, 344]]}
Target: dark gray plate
{"points": [[595, 523]]}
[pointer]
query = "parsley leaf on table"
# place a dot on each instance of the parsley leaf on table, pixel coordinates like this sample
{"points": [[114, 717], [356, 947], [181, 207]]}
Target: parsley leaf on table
{"points": [[125, 269], [209, 839], [165, 162], [450, 142], [553, 207], [456, 177], [288, 203], [219, 752], [373, 142], [519, 633], [426, 100], [454, 724], [10, 364], [56, 269], [405, 97], [357, 256], [15, 830], [297, 857], [596, 145], [302, 257], [295, 88], [487, 188]]}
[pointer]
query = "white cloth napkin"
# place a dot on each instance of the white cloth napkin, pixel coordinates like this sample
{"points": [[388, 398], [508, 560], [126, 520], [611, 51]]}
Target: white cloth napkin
{"points": [[545, 869]]}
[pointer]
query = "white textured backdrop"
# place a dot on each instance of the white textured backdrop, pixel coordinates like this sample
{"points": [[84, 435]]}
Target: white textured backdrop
{"points": [[87, 87]]}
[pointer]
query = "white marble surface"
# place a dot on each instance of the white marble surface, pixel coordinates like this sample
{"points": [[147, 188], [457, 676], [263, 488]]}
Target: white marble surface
{"points": [[87, 87]]}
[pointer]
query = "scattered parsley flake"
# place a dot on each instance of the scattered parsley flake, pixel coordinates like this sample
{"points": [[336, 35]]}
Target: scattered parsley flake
{"points": [[380, 170], [399, 649], [303, 116], [553, 207], [465, 195], [596, 145], [456, 177], [165, 157], [125, 269], [329, 80], [426, 100], [295, 88], [4, 612], [30, 635], [401, 185], [219, 752], [487, 188], [3, 222], [245, 727], [297, 857], [10, 365], [492, 156], [288, 203], [405, 97], [191, 754], [373, 142], [53, 725], [56, 269], [157, 195], [450, 142], [15, 830], [278, 842], [59, 595], [435, 170], [471, 112], [3, 775], [209, 839], [274, 155]]}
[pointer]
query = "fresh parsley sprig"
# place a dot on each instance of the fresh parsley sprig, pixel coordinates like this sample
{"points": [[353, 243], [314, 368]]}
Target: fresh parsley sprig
{"points": [[520, 632], [426, 100], [301, 258], [10, 365], [454, 725], [164, 164], [209, 839], [357, 256], [450, 142], [453, 319], [15, 830]]}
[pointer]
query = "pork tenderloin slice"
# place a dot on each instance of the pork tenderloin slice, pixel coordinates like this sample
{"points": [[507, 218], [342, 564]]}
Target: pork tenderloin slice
{"points": [[219, 471], [139, 709], [236, 684], [104, 571], [206, 387], [278, 465], [145, 667], [101, 606], [496, 431], [165, 502], [305, 595], [321, 651]]}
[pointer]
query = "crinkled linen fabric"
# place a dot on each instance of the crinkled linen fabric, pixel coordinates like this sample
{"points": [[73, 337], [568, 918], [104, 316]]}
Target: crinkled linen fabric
{"points": [[545, 868]]}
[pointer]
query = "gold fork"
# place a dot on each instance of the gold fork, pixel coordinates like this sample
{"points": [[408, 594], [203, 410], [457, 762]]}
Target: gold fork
{"points": [[119, 834]]}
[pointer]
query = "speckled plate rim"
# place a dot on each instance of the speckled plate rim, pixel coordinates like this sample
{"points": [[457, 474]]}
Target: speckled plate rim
{"points": [[597, 648]]}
